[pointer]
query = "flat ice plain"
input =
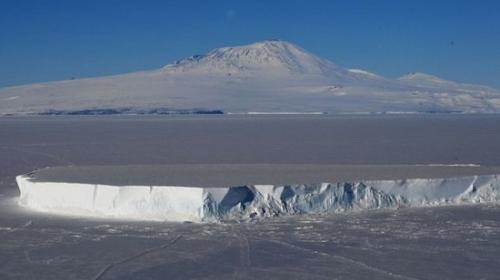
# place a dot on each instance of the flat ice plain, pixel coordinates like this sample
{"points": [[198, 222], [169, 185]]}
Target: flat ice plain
{"points": [[452, 242]]}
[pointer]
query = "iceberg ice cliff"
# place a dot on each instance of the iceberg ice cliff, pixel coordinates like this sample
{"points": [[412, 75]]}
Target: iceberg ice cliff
{"points": [[198, 204]]}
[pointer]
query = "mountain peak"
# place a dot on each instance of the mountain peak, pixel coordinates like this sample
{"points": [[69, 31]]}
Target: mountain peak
{"points": [[270, 56], [423, 78], [271, 44]]}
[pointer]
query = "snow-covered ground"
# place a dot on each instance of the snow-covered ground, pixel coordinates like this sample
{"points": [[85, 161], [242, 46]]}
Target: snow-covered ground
{"points": [[450, 242], [196, 204], [269, 76]]}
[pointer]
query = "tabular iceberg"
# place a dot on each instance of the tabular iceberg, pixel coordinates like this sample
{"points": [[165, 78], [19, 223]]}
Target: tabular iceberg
{"points": [[198, 204]]}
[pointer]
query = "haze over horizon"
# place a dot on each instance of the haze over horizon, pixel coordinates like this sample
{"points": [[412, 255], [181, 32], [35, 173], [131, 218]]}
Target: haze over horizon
{"points": [[58, 40]]}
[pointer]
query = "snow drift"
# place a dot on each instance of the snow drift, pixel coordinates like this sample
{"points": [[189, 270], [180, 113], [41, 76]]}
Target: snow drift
{"points": [[197, 204], [268, 76]]}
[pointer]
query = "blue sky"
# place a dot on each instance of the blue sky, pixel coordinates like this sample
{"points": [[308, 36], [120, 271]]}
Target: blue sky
{"points": [[56, 39]]}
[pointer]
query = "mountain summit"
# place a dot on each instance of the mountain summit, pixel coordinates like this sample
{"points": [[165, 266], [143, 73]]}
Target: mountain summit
{"points": [[268, 76], [274, 56]]}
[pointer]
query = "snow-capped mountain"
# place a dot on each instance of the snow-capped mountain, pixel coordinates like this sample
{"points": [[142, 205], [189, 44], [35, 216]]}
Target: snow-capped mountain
{"points": [[269, 76], [277, 57]]}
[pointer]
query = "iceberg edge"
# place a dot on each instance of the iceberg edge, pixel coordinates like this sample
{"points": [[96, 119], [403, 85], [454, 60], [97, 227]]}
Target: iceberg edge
{"points": [[198, 204]]}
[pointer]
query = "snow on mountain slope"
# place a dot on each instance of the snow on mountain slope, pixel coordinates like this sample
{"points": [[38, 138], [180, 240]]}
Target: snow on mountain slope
{"points": [[364, 73], [276, 57], [422, 78], [268, 76], [426, 80]]}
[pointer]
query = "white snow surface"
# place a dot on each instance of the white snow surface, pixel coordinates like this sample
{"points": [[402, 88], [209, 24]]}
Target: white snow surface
{"points": [[268, 76], [198, 204]]}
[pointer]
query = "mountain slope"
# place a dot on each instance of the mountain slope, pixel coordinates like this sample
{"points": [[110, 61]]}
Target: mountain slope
{"points": [[279, 57], [268, 76]]}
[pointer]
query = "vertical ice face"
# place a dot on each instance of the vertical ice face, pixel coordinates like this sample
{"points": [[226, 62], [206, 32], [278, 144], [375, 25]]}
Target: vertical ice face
{"points": [[130, 202], [175, 203]]}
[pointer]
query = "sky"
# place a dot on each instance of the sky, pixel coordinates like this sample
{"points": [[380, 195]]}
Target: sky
{"points": [[46, 40]]}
